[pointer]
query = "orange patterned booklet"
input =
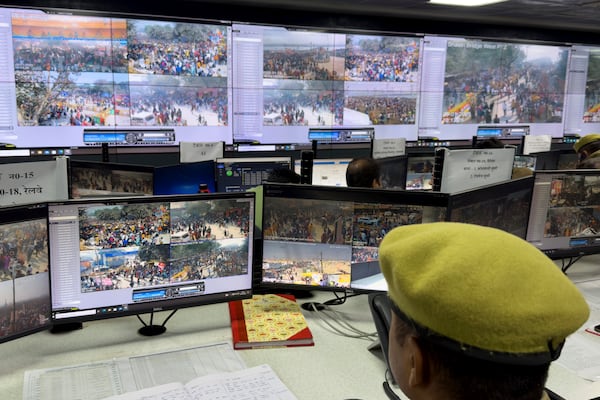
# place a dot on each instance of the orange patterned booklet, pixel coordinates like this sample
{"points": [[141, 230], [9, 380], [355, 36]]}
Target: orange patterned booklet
{"points": [[268, 320]]}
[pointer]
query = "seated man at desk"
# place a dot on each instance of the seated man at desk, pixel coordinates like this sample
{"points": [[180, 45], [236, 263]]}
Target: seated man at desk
{"points": [[363, 172], [477, 313]]}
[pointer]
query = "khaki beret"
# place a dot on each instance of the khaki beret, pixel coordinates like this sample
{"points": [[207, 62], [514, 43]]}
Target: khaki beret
{"points": [[481, 287], [587, 139]]}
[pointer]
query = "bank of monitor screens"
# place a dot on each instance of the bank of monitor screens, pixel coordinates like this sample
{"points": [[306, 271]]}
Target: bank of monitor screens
{"points": [[240, 174], [188, 178], [503, 205], [565, 213], [99, 179], [130, 256], [327, 238], [24, 276]]}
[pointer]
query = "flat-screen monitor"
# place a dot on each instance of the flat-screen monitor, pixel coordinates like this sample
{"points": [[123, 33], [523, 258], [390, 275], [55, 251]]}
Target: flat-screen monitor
{"points": [[496, 94], [565, 213], [419, 172], [503, 205], [124, 81], [555, 159], [393, 172], [327, 238], [240, 174], [330, 171], [24, 276], [188, 178], [100, 179], [525, 161], [124, 256], [568, 160]]}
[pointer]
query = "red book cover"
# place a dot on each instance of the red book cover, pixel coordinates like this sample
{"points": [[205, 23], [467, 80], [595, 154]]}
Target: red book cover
{"points": [[268, 320]]}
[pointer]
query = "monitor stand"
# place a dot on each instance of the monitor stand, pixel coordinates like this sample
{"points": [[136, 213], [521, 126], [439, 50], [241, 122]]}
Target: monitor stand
{"points": [[62, 328], [151, 329]]}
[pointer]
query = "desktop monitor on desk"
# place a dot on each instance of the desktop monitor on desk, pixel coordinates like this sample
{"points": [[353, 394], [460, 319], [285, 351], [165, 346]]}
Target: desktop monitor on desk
{"points": [[326, 238], [555, 159], [130, 256], [100, 179], [24, 276], [419, 172], [503, 205], [187, 178], [524, 161], [393, 172], [241, 174], [330, 171], [564, 219]]}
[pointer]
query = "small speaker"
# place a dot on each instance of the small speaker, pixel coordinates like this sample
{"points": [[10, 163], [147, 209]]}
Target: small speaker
{"points": [[306, 167]]}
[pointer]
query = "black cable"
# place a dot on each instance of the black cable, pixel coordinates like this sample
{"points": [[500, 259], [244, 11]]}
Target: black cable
{"points": [[340, 300], [387, 388], [570, 263]]}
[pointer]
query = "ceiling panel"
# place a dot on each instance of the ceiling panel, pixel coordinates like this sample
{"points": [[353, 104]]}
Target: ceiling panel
{"points": [[574, 21], [578, 15]]}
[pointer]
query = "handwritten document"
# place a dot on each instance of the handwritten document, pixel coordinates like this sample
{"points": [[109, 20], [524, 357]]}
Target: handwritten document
{"points": [[33, 182], [465, 169], [98, 380], [257, 383], [190, 152]]}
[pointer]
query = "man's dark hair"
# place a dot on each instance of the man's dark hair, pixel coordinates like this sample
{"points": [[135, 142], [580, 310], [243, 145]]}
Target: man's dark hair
{"points": [[469, 378], [283, 175], [361, 172]]}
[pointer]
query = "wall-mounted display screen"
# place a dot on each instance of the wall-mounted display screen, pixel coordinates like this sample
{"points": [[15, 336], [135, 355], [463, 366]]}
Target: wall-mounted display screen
{"points": [[485, 82], [67, 73], [314, 79], [244, 83], [592, 93]]}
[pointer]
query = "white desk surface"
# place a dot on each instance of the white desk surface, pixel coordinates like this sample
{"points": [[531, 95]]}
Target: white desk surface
{"points": [[337, 367]]}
